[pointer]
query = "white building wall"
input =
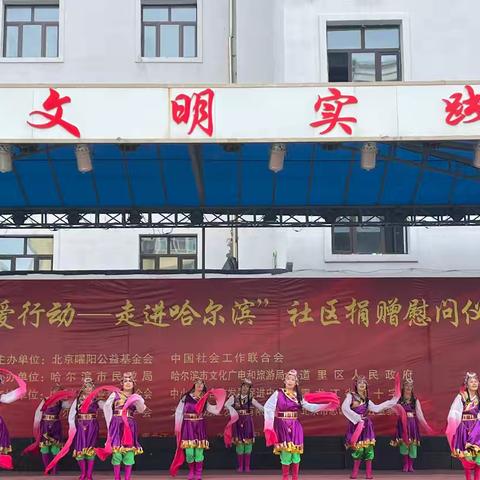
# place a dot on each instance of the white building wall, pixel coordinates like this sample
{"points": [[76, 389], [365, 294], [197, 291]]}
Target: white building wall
{"points": [[277, 41]]}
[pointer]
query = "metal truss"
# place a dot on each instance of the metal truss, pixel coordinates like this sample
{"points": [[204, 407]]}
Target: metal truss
{"points": [[267, 217]]}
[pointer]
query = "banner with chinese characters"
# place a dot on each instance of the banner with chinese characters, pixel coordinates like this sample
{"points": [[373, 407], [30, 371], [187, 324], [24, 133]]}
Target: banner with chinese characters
{"points": [[169, 332], [355, 112]]}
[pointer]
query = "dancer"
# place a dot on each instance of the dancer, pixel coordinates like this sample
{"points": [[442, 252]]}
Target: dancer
{"points": [[51, 435], [123, 435], [463, 429], [360, 435], [283, 430], [240, 408], [190, 427], [6, 398], [86, 436], [409, 442]]}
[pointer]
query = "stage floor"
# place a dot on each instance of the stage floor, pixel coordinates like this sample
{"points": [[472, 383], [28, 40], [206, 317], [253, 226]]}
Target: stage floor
{"points": [[261, 475]]}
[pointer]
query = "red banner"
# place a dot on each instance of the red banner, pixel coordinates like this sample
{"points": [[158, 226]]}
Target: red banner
{"points": [[169, 331]]}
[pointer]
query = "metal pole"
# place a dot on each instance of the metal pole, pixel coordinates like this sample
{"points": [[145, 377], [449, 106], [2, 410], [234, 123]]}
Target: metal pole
{"points": [[203, 252]]}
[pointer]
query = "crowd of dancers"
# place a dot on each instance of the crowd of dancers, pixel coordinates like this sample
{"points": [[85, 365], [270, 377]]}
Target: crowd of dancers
{"points": [[282, 427]]}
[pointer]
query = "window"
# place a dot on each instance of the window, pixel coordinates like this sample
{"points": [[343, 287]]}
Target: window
{"points": [[369, 239], [30, 31], [169, 30], [364, 53], [168, 252], [26, 254]]}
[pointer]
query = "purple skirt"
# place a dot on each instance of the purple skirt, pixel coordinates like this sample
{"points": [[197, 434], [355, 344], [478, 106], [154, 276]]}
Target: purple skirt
{"points": [[466, 441], [413, 433], [290, 435], [5, 447], [366, 439], [194, 434], [116, 433], [86, 438], [51, 433], [243, 431]]}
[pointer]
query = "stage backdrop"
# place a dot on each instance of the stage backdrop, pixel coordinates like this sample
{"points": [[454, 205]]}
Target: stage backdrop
{"points": [[170, 331]]}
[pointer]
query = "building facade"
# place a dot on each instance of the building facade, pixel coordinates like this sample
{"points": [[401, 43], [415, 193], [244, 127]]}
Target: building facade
{"points": [[169, 42]]}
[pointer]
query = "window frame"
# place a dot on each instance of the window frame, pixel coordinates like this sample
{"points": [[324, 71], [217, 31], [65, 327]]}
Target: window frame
{"points": [[353, 235], [179, 256], [378, 52], [33, 3], [139, 32], [36, 257]]}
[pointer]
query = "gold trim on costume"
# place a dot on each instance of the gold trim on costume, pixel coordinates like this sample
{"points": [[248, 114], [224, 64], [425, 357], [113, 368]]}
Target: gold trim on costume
{"points": [[245, 441], [287, 447], [5, 450], [135, 450], [86, 416], [192, 416], [195, 444], [287, 415], [399, 441], [85, 452], [362, 444], [50, 418]]}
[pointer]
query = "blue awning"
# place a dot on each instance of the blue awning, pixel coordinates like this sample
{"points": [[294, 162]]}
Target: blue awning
{"points": [[163, 177]]}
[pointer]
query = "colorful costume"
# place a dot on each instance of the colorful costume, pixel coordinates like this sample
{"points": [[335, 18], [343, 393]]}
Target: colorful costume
{"points": [[191, 430], [86, 434], [113, 416], [409, 441], [50, 429], [360, 436], [6, 398], [240, 408], [283, 430], [463, 430]]}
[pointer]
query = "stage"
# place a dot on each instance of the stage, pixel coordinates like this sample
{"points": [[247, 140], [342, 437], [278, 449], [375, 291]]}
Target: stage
{"points": [[262, 475]]}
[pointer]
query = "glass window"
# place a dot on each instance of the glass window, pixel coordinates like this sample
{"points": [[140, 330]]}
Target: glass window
{"points": [[184, 14], [18, 14], [189, 41], [40, 245], [368, 239], [5, 265], [11, 246], [11, 47], [46, 14], [26, 253], [45, 264], [168, 263], [31, 31], [168, 252], [344, 39], [382, 38], [169, 44], [149, 41], [25, 263], [364, 54], [52, 42], [389, 64], [169, 30], [155, 14], [148, 264], [363, 67]]}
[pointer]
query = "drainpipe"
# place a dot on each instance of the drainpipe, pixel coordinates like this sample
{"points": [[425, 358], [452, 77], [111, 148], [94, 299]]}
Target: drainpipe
{"points": [[232, 78]]}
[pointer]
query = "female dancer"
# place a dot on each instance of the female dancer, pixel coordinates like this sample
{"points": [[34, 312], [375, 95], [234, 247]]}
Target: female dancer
{"points": [[190, 427], [240, 408], [123, 436], [409, 442], [9, 397], [283, 430], [360, 435], [86, 436], [463, 429]]}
